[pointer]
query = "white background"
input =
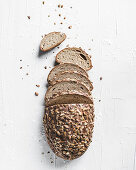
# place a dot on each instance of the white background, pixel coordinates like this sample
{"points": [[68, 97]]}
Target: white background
{"points": [[108, 27]]}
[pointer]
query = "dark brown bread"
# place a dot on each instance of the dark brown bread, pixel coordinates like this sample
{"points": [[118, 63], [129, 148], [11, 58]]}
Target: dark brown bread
{"points": [[76, 56], [65, 67], [69, 98], [66, 86], [69, 129], [71, 75], [52, 40]]}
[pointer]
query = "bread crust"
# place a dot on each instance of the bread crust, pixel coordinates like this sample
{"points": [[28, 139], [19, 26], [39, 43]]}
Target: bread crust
{"points": [[52, 46], [65, 64], [79, 49]]}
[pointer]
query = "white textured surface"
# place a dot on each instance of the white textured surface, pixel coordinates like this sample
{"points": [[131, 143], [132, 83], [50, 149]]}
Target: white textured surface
{"points": [[108, 27]]}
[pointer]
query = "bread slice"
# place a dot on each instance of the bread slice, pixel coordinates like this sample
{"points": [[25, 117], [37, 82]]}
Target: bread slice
{"points": [[75, 56], [71, 75], [69, 128], [65, 67], [69, 98], [52, 40], [66, 86]]}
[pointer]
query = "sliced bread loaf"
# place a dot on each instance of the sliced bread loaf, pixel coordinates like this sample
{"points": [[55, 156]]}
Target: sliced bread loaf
{"points": [[69, 98], [52, 40], [69, 128], [66, 86], [71, 75], [75, 56], [65, 67]]}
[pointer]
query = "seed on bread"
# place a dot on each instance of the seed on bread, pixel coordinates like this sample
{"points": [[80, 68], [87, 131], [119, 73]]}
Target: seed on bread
{"points": [[76, 56], [65, 67], [52, 40]]}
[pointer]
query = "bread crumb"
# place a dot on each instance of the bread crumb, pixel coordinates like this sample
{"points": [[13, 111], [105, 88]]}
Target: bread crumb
{"points": [[28, 17], [70, 27], [45, 67], [37, 85], [64, 17], [100, 78], [59, 15], [36, 93], [43, 2], [27, 74], [20, 67], [61, 6]]}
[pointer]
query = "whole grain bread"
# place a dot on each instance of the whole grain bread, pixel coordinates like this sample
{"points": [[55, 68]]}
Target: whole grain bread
{"points": [[65, 67], [71, 75], [52, 40], [69, 128], [76, 56], [69, 98], [66, 86]]}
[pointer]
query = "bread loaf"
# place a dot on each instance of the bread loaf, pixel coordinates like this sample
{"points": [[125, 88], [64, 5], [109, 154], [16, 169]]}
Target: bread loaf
{"points": [[69, 129]]}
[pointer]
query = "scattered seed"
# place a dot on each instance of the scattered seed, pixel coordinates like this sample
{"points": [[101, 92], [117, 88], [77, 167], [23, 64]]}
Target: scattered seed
{"points": [[49, 66], [20, 67], [59, 15], [54, 23], [61, 6], [36, 93], [45, 67], [20, 60], [27, 74], [28, 17], [61, 23], [43, 2], [48, 152], [67, 45], [37, 85], [70, 27], [100, 78], [51, 161], [99, 100], [89, 49], [48, 15], [42, 153], [58, 47], [64, 17], [71, 7]]}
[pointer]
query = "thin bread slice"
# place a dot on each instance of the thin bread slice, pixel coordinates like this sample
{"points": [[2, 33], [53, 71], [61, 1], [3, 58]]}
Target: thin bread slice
{"points": [[69, 129], [65, 86], [71, 75], [69, 98], [52, 40], [65, 67], [75, 56]]}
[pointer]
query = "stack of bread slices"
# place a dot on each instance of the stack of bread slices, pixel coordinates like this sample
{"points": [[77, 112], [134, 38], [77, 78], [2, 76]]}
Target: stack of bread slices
{"points": [[69, 111]]}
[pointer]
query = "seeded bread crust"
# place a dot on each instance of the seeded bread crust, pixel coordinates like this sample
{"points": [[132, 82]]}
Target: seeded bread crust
{"points": [[69, 98], [66, 86], [76, 56], [65, 67], [58, 39], [69, 129], [71, 75]]}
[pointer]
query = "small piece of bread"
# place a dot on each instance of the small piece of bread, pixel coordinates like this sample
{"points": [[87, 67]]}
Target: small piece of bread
{"points": [[71, 75], [69, 128], [75, 56], [66, 86], [65, 67], [52, 40], [69, 98]]}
